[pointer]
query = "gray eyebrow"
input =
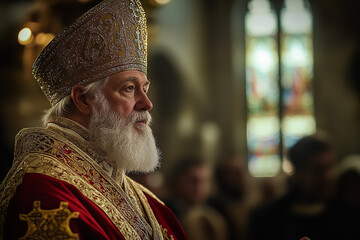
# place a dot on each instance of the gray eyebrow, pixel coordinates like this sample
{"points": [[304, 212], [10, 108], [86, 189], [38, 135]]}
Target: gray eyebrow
{"points": [[132, 78]]}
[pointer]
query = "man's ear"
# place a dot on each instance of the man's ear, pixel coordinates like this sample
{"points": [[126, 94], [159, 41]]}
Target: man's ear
{"points": [[82, 101]]}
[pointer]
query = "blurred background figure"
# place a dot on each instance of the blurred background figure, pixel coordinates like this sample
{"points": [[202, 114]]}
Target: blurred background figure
{"points": [[306, 208], [347, 197], [348, 186], [153, 181], [190, 187], [231, 198]]}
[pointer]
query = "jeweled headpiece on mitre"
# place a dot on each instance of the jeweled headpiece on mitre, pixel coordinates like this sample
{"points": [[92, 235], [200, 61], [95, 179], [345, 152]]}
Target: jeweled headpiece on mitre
{"points": [[109, 38]]}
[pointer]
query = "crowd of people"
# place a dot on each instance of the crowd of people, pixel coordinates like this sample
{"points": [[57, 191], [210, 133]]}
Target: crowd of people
{"points": [[320, 201]]}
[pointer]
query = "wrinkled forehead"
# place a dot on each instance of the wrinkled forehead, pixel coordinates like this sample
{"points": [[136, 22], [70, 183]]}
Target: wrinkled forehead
{"points": [[130, 76]]}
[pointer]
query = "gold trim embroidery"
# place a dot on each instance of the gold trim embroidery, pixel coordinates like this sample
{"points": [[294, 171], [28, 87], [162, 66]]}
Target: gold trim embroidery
{"points": [[39, 150], [49, 224], [68, 154], [67, 123], [165, 234], [85, 146], [48, 166], [138, 188]]}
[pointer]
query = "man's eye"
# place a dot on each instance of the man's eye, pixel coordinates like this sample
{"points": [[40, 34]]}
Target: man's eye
{"points": [[129, 88]]}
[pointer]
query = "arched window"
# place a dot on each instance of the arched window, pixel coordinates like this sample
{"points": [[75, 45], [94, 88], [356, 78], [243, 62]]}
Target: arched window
{"points": [[279, 69]]}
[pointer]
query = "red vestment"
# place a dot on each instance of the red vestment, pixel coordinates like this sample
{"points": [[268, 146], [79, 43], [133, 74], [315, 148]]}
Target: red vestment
{"points": [[56, 190]]}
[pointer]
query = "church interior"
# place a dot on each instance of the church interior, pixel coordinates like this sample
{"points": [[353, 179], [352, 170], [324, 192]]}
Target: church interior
{"points": [[221, 85]]}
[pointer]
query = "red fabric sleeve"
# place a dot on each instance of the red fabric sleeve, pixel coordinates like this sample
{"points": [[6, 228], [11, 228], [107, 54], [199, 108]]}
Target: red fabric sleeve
{"points": [[92, 222], [166, 219]]}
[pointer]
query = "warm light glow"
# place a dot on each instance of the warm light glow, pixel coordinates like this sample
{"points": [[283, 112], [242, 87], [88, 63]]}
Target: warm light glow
{"points": [[159, 2], [44, 38], [287, 166], [260, 20], [162, 2], [210, 135], [25, 36], [186, 124], [209, 132]]}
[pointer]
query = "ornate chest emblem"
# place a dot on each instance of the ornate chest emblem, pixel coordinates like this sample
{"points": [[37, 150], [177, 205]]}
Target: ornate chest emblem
{"points": [[49, 224]]}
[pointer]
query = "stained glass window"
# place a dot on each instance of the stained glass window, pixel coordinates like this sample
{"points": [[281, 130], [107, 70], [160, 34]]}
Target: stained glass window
{"points": [[262, 89], [280, 107], [297, 72]]}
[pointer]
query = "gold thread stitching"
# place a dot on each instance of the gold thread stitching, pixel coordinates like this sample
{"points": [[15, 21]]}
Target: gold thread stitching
{"points": [[66, 153], [42, 142], [51, 167], [67, 123], [153, 221], [165, 233]]}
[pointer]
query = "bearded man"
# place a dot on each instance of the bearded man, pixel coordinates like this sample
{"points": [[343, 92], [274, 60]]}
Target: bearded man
{"points": [[68, 179]]}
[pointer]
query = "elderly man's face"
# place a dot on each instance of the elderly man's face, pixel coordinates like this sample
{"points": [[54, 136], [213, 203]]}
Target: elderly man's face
{"points": [[120, 123], [127, 92]]}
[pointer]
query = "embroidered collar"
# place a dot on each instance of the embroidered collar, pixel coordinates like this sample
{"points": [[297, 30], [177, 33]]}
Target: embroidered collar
{"points": [[70, 124], [66, 154], [79, 135]]}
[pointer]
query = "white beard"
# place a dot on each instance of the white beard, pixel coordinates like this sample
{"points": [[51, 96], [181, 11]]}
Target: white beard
{"points": [[129, 147]]}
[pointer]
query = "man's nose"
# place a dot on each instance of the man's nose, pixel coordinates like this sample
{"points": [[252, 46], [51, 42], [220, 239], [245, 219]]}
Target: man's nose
{"points": [[143, 102]]}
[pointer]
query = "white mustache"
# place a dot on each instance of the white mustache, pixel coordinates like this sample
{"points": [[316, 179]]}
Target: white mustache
{"points": [[139, 116]]}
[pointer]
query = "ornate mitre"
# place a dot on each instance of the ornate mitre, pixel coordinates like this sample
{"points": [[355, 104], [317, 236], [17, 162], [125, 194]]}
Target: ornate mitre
{"points": [[109, 38]]}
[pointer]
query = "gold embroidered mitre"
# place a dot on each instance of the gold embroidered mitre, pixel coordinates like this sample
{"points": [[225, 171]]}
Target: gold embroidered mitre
{"points": [[109, 38]]}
